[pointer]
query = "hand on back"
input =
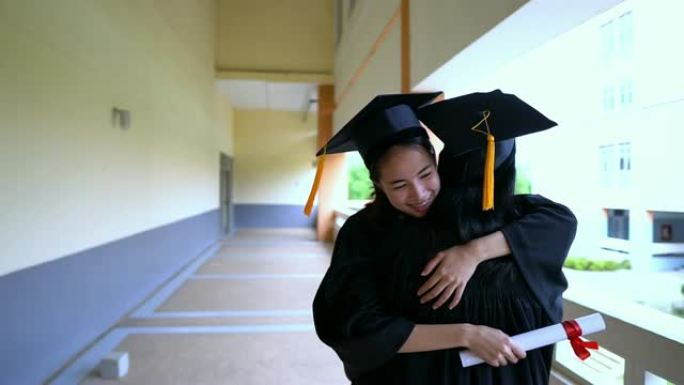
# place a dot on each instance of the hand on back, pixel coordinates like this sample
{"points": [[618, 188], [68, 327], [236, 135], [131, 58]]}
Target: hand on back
{"points": [[450, 271]]}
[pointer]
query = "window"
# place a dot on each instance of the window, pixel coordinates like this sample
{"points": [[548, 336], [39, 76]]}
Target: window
{"points": [[668, 227], [616, 164], [624, 31], [618, 224], [617, 52], [608, 98], [625, 156], [607, 42]]}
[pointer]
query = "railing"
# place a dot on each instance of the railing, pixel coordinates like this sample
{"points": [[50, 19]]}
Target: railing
{"points": [[646, 346], [650, 342]]}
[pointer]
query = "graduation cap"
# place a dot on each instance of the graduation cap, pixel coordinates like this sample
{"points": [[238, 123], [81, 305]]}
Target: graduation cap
{"points": [[382, 122], [483, 120]]}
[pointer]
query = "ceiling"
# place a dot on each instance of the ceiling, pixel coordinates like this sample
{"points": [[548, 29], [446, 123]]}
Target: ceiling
{"points": [[510, 39], [260, 94]]}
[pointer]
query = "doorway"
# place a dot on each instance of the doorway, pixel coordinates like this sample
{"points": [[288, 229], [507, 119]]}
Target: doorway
{"points": [[226, 194]]}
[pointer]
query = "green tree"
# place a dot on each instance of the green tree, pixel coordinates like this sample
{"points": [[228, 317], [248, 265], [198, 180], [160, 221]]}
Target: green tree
{"points": [[360, 185], [523, 183]]}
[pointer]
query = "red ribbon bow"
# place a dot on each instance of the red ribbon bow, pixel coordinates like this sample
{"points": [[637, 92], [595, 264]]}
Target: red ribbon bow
{"points": [[574, 332]]}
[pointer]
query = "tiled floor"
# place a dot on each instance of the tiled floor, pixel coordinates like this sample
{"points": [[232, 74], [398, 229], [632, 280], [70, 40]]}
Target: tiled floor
{"points": [[240, 314]]}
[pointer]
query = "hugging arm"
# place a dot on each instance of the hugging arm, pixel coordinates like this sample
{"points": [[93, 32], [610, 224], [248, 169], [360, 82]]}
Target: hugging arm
{"points": [[349, 317], [539, 239]]}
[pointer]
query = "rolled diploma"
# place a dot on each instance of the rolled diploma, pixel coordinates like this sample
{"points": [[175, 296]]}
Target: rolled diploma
{"points": [[544, 336]]}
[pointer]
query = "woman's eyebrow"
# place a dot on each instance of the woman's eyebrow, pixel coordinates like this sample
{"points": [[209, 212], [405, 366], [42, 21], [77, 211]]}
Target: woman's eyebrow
{"points": [[422, 170]]}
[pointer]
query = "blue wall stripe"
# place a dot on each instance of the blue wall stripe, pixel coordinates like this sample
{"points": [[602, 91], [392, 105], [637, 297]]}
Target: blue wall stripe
{"points": [[51, 311], [170, 287], [80, 369], [272, 215]]}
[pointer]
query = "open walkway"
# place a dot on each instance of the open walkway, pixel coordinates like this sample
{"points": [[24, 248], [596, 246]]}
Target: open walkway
{"points": [[238, 314]]}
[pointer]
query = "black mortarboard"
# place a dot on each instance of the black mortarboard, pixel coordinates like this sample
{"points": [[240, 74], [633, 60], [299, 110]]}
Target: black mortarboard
{"points": [[378, 123], [383, 121], [479, 120]]}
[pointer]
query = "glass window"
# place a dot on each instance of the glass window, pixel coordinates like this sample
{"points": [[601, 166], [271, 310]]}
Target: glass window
{"points": [[618, 223]]}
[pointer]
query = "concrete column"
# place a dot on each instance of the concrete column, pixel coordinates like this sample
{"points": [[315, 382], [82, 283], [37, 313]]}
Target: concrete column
{"points": [[641, 238], [332, 190], [636, 375]]}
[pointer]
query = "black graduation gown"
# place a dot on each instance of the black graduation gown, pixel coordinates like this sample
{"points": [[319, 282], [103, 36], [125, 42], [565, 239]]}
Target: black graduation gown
{"points": [[367, 305]]}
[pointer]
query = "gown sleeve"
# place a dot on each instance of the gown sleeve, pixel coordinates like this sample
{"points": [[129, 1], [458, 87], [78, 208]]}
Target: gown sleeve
{"points": [[540, 239], [348, 315]]}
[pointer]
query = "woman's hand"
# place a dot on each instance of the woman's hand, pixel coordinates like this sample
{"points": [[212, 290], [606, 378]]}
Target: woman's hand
{"points": [[493, 345], [451, 270]]}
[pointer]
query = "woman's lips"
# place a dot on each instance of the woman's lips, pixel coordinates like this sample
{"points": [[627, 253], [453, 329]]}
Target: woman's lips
{"points": [[421, 207]]}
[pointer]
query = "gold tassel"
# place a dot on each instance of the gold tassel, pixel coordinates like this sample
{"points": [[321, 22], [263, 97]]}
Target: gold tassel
{"points": [[314, 187], [488, 188]]}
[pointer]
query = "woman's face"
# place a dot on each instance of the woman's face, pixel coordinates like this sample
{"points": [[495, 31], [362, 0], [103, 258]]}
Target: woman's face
{"points": [[409, 179]]}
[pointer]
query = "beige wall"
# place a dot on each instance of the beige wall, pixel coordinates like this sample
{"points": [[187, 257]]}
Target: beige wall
{"points": [[71, 180], [274, 152], [382, 73], [274, 35], [440, 29]]}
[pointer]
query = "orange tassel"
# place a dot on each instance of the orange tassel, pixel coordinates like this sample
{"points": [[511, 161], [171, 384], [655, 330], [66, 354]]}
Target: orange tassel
{"points": [[314, 187], [488, 188]]}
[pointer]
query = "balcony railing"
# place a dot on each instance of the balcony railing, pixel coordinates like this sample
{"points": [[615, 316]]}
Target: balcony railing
{"points": [[649, 343]]}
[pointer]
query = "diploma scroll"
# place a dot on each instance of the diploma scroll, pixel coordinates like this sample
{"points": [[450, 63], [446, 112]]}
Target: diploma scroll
{"points": [[548, 335]]}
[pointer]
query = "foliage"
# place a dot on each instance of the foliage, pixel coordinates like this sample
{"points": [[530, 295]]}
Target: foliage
{"points": [[679, 312], [523, 183], [584, 264], [360, 185]]}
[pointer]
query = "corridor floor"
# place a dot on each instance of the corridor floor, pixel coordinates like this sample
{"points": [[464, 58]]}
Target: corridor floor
{"points": [[239, 314]]}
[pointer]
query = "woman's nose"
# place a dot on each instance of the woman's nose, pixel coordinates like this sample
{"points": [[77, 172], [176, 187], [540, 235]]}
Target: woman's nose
{"points": [[418, 191]]}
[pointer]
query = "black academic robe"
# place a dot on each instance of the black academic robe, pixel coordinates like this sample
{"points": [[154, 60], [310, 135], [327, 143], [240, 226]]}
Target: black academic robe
{"points": [[366, 305]]}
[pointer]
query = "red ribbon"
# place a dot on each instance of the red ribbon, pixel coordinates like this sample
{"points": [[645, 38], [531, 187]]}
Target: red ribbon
{"points": [[574, 332]]}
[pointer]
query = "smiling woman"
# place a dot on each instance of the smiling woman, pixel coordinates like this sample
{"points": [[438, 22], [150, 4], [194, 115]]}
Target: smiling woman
{"points": [[407, 176], [380, 304]]}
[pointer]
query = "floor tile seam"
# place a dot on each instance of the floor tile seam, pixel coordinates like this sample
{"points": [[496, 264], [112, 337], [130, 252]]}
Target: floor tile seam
{"points": [[217, 321], [254, 276], [83, 366], [247, 313], [151, 304]]}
